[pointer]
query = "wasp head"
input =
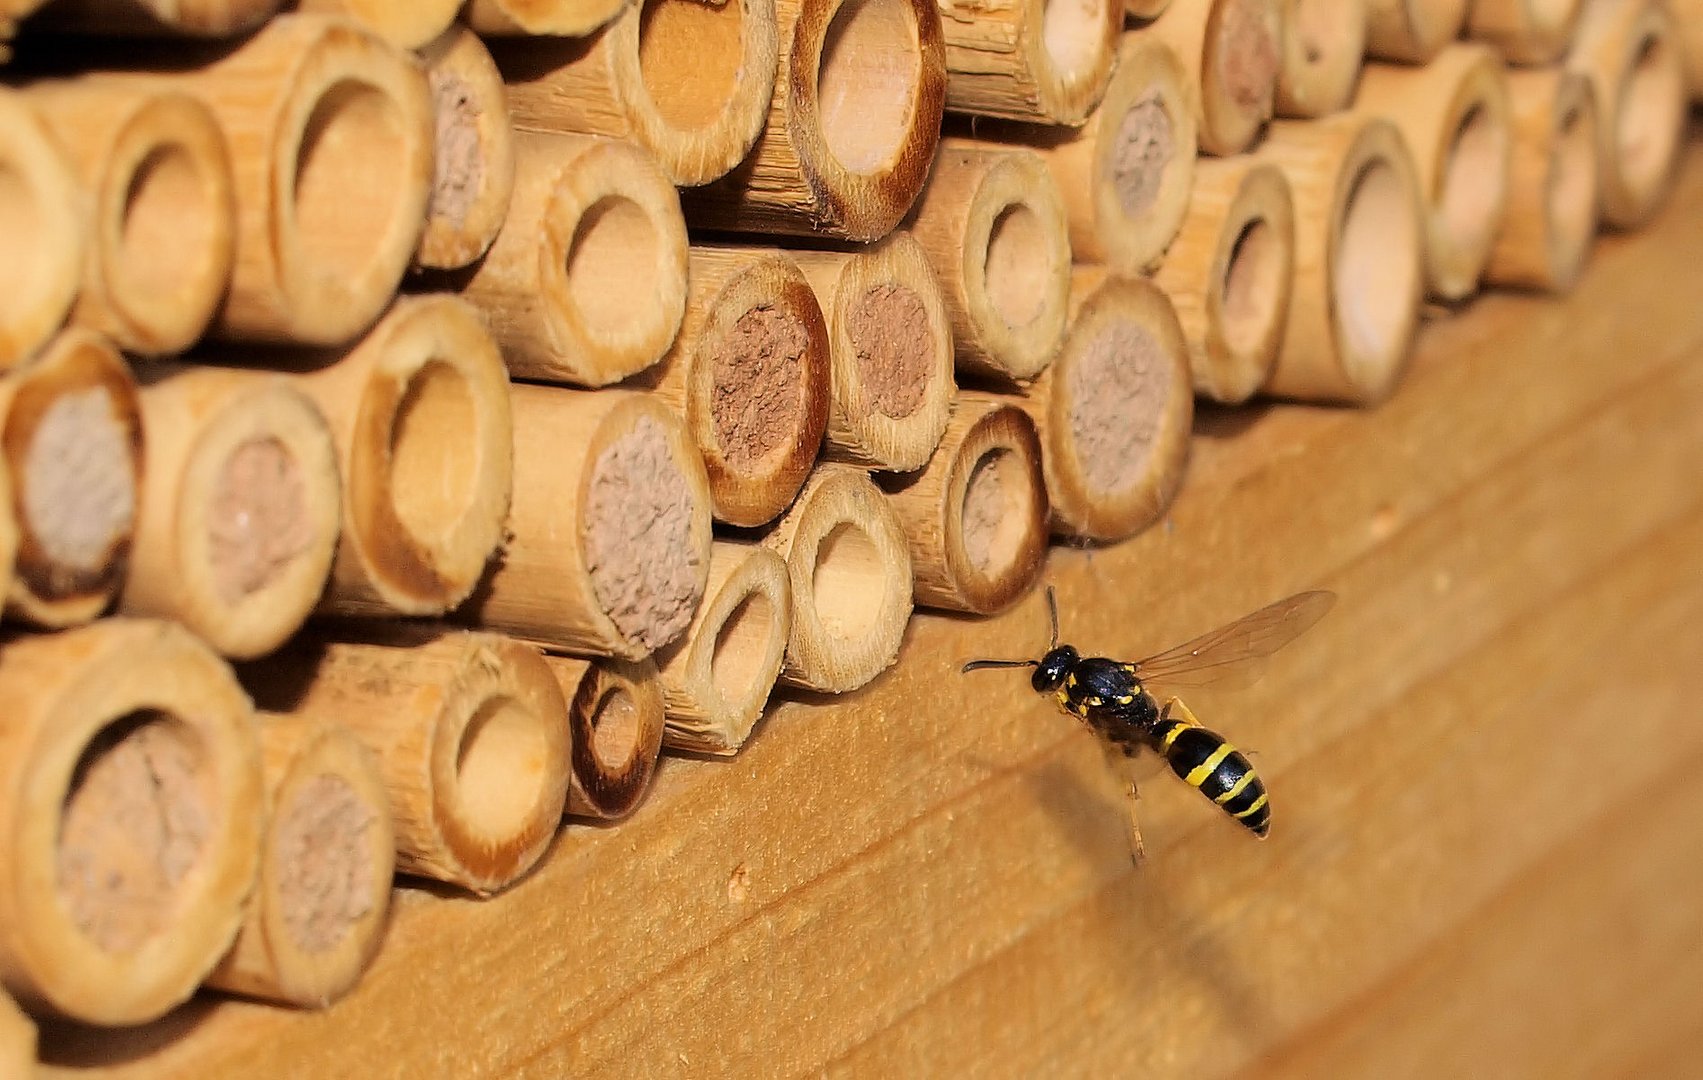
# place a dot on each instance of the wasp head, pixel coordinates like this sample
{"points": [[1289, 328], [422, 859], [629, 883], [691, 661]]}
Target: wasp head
{"points": [[1052, 669]]}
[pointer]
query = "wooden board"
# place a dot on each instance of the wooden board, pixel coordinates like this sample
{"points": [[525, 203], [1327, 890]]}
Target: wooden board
{"points": [[1484, 853]]}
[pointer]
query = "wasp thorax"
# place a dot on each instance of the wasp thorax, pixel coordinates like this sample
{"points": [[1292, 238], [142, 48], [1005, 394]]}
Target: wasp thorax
{"points": [[1052, 669]]}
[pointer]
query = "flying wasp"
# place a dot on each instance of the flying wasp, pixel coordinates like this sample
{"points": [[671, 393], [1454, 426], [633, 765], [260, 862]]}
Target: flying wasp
{"points": [[1112, 698]]}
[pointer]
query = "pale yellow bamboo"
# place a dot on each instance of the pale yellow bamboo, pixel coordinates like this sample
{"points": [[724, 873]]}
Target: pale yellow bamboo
{"points": [[1046, 62], [1231, 51], [1546, 234], [407, 24], [1528, 31], [1323, 44], [473, 178], [17, 1040], [1412, 31], [615, 721], [42, 235], [556, 18]]}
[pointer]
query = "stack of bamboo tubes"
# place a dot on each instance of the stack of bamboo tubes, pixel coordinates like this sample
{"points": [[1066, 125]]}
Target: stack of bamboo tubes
{"points": [[416, 416]]}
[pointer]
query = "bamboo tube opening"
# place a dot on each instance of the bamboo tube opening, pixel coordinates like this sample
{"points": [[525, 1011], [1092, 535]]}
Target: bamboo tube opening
{"points": [[322, 842], [997, 503], [170, 205], [615, 718], [473, 152], [1118, 388], [1324, 42], [762, 353], [868, 79], [846, 560], [741, 665], [497, 786], [431, 477], [615, 728], [708, 40], [1472, 184], [1649, 115], [1253, 293], [1145, 141], [351, 160], [1372, 293], [611, 265], [1019, 265]]}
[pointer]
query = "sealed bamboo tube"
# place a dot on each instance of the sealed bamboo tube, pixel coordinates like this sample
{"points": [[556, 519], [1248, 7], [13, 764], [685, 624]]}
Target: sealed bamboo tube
{"points": [[407, 24], [750, 374], [130, 821], [42, 236], [551, 18], [1324, 42], [849, 574], [1453, 114], [473, 173], [471, 735], [17, 1040], [327, 857], [1029, 59], [72, 439], [1114, 410], [1630, 51], [586, 282], [155, 179], [890, 352], [975, 518], [609, 534], [159, 18], [331, 136], [238, 517], [1229, 274], [1230, 51], [1359, 262], [1412, 31], [716, 679], [1552, 182], [615, 724], [1527, 31], [992, 224], [691, 82], [851, 130]]}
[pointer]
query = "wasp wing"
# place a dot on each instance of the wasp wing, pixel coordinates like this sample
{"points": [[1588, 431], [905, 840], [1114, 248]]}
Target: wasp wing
{"points": [[1230, 652]]}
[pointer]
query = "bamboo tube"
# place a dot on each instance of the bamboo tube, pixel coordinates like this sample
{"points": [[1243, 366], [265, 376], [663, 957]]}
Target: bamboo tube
{"points": [[1029, 59], [1114, 410], [586, 282], [131, 818], [1359, 266], [41, 233], [1528, 31], [749, 372], [157, 18], [690, 82], [155, 179], [609, 532], [473, 173], [849, 575], [1412, 31], [407, 24], [1688, 21], [851, 130], [1145, 10], [1230, 51], [1229, 274], [328, 853], [1552, 182], [890, 351], [238, 518], [554, 18], [615, 720], [975, 519], [17, 1040], [471, 735], [716, 679], [1630, 51], [1453, 114], [992, 224], [1324, 42], [72, 439]]}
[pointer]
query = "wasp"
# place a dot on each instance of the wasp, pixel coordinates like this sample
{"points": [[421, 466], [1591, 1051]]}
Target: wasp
{"points": [[1111, 697]]}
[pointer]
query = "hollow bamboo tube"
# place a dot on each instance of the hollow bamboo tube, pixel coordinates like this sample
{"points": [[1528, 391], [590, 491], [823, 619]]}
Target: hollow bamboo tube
{"points": [[17, 1040], [750, 374], [1359, 265], [470, 731], [1527, 31], [690, 82], [992, 224], [890, 352], [238, 518], [1029, 59], [586, 282], [609, 533], [72, 439], [154, 176], [473, 174], [42, 238], [1114, 410], [975, 518], [407, 24], [131, 818], [1230, 51], [1453, 114], [1552, 182], [615, 721], [1324, 42], [1630, 51], [158, 18], [849, 574], [327, 856], [716, 679], [551, 18], [1229, 275], [851, 130], [1412, 31]]}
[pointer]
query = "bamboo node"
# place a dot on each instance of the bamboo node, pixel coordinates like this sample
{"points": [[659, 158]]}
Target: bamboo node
{"points": [[757, 384], [891, 335], [1118, 388], [320, 852], [258, 522], [995, 511]]}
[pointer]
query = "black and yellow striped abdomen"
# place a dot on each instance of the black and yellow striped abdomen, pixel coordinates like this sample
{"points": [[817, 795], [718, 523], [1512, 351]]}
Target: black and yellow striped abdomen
{"points": [[1206, 760]]}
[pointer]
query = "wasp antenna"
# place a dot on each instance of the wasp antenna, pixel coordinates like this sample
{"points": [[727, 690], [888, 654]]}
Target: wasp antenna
{"points": [[1052, 616], [975, 665]]}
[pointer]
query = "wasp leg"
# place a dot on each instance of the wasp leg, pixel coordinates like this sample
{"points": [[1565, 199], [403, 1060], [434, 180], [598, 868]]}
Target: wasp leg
{"points": [[1187, 717], [1123, 766]]}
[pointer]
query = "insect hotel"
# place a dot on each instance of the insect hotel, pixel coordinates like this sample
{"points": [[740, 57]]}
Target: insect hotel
{"points": [[530, 531]]}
